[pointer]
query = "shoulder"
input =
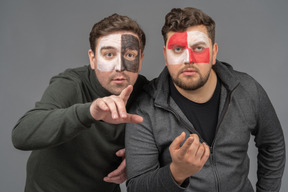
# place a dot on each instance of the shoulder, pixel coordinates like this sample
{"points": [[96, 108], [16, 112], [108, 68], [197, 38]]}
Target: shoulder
{"points": [[66, 86], [73, 74]]}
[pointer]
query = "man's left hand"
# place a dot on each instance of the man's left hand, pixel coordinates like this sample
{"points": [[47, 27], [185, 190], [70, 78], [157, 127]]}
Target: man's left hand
{"points": [[118, 176]]}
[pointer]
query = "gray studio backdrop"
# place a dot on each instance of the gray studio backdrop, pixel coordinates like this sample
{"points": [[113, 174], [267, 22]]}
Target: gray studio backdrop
{"points": [[39, 39]]}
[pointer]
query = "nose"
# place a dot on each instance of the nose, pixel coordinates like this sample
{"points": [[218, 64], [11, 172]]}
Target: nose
{"points": [[189, 56], [119, 67]]}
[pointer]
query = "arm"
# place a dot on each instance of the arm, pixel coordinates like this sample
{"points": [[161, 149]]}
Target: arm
{"points": [[271, 146], [56, 119], [62, 114]]}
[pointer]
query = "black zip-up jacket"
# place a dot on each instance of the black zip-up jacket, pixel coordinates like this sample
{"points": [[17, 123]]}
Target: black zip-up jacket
{"points": [[244, 109], [71, 152]]}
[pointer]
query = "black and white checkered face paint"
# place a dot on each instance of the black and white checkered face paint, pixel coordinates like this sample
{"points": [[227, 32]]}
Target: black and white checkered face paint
{"points": [[118, 52]]}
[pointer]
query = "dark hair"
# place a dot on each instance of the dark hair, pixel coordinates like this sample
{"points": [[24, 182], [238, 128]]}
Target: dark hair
{"points": [[178, 20], [115, 23]]}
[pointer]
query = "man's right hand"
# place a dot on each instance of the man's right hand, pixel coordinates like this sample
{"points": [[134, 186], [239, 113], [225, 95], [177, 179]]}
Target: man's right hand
{"points": [[189, 158], [112, 109]]}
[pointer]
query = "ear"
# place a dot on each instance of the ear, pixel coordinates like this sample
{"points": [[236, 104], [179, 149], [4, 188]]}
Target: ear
{"points": [[164, 54], [92, 59], [214, 54], [140, 62]]}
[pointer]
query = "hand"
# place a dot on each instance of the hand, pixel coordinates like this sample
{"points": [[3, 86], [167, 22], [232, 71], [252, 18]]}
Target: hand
{"points": [[112, 109], [118, 176], [188, 159]]}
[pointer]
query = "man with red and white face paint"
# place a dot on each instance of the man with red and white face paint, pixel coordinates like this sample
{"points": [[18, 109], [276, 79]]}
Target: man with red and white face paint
{"points": [[198, 117]]}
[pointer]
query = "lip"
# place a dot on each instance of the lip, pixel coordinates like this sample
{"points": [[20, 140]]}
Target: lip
{"points": [[189, 72], [119, 80]]}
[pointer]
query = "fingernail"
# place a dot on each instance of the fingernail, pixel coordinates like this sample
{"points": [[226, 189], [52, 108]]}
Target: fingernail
{"points": [[123, 115], [115, 116]]}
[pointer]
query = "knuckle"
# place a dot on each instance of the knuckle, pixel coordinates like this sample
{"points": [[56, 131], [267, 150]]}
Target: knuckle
{"points": [[201, 149]]}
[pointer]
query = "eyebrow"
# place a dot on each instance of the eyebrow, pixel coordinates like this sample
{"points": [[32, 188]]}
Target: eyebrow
{"points": [[172, 46], [199, 42], [107, 47]]}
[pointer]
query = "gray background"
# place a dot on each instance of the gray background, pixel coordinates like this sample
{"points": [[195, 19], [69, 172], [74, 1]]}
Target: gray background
{"points": [[39, 39]]}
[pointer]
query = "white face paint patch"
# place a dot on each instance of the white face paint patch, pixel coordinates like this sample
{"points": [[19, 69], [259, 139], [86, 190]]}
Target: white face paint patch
{"points": [[188, 47], [108, 53]]}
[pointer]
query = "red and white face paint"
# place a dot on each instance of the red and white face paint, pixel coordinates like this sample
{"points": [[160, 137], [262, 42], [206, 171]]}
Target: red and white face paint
{"points": [[188, 47], [118, 52]]}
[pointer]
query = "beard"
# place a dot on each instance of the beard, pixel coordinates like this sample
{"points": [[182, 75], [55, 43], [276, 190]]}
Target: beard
{"points": [[189, 83]]}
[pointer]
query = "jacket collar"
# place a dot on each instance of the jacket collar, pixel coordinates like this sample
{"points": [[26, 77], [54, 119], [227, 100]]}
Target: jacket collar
{"points": [[162, 96], [225, 72]]}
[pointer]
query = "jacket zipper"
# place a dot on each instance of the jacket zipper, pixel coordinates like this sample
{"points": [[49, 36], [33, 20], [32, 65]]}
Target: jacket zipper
{"points": [[225, 108]]}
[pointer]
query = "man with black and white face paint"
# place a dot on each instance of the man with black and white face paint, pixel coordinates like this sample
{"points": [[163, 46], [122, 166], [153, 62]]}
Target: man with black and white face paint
{"points": [[116, 64], [76, 131]]}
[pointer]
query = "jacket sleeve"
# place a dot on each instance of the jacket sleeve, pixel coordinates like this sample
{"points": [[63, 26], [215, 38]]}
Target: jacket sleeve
{"points": [[270, 142], [56, 119], [144, 173]]}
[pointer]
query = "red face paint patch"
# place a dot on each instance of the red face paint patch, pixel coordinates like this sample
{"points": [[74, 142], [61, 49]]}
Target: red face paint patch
{"points": [[199, 57], [178, 40]]}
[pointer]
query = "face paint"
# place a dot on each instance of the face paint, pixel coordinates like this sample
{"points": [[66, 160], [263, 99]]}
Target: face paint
{"points": [[130, 53], [188, 47], [118, 52]]}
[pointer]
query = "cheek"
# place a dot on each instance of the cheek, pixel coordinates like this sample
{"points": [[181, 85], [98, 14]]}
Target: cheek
{"points": [[105, 65], [176, 59], [203, 57], [103, 77], [173, 70]]}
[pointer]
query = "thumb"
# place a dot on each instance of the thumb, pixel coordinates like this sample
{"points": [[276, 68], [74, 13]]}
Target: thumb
{"points": [[133, 118], [177, 141], [121, 153], [125, 93]]}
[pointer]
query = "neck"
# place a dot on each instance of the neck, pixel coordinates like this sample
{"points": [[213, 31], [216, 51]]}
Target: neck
{"points": [[204, 93]]}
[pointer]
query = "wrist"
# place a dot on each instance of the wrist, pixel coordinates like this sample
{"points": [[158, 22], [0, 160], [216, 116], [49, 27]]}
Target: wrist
{"points": [[176, 174]]}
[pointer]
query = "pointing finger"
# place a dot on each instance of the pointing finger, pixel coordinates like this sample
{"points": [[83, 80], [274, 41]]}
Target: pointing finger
{"points": [[125, 94]]}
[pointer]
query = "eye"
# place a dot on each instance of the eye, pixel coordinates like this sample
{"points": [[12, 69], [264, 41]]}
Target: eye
{"points": [[178, 50], [108, 54], [130, 55], [198, 49]]}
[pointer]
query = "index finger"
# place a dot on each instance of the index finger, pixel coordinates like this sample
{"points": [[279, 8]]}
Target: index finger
{"points": [[185, 147], [125, 93], [177, 141]]}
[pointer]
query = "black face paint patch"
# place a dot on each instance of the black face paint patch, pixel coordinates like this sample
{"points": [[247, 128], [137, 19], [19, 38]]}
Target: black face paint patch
{"points": [[130, 51]]}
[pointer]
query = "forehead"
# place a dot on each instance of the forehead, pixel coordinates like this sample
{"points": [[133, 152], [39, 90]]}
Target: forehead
{"points": [[192, 30], [114, 37]]}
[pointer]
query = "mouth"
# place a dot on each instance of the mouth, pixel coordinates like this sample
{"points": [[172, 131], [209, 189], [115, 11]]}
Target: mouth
{"points": [[118, 80], [189, 71]]}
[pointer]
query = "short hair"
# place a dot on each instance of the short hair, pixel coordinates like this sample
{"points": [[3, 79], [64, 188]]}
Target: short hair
{"points": [[115, 23], [178, 20]]}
